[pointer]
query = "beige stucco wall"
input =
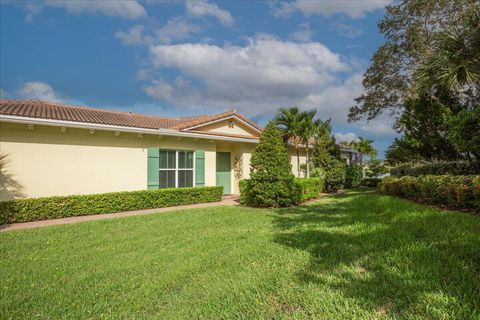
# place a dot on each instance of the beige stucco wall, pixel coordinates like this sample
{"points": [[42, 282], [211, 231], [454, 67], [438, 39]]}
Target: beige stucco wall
{"points": [[345, 156], [241, 154], [293, 160], [223, 127], [45, 161]]}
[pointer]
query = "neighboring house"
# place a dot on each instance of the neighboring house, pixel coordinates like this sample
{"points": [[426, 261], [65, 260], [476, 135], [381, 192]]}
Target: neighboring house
{"points": [[349, 155], [51, 149]]}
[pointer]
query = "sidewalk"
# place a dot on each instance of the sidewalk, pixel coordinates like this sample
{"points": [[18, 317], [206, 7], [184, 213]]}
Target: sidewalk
{"points": [[226, 201]]}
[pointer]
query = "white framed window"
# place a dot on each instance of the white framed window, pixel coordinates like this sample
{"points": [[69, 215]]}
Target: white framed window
{"points": [[176, 169]]}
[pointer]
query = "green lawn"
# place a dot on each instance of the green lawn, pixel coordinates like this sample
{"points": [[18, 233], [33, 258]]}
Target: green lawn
{"points": [[354, 256]]}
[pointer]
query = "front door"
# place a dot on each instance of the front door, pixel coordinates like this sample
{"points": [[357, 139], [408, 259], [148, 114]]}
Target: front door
{"points": [[223, 171]]}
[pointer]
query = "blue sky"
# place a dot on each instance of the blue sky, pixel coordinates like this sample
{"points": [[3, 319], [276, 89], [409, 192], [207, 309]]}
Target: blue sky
{"points": [[176, 58]]}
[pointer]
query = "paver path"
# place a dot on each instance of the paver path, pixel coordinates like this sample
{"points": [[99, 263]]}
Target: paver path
{"points": [[226, 201]]}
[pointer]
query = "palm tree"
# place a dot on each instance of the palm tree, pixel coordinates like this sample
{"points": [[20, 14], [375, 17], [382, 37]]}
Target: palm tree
{"points": [[364, 146], [307, 131], [456, 62], [289, 121]]}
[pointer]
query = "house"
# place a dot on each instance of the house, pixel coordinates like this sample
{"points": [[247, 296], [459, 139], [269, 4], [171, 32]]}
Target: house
{"points": [[51, 149], [349, 155]]}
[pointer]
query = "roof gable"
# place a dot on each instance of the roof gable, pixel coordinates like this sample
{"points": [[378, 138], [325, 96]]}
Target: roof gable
{"points": [[205, 120], [227, 126]]}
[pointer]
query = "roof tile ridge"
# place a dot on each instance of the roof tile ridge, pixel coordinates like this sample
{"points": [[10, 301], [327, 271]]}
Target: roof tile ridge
{"points": [[46, 103]]}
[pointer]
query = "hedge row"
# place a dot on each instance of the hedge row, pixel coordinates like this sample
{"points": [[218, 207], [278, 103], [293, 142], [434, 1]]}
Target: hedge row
{"points": [[371, 182], [245, 187], [309, 188], [462, 192], [437, 168], [353, 177], [59, 207], [305, 189]]}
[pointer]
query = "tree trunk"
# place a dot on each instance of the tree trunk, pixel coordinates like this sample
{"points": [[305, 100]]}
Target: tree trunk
{"points": [[298, 162], [308, 163]]}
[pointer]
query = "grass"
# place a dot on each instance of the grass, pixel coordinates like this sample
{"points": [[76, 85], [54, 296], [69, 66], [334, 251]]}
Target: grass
{"points": [[353, 256]]}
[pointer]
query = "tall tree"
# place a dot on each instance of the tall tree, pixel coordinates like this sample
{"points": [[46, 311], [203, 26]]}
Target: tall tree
{"points": [[307, 132], [428, 73], [410, 28], [289, 122], [401, 151], [326, 155], [453, 65], [325, 149], [425, 126], [364, 146], [464, 132]]}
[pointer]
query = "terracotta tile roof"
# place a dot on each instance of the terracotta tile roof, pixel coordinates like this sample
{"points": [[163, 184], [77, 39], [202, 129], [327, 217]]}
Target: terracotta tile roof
{"points": [[243, 136], [56, 111], [346, 148], [204, 119]]}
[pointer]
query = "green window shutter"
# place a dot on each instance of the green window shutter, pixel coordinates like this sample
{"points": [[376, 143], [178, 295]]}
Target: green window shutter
{"points": [[152, 167], [199, 168]]}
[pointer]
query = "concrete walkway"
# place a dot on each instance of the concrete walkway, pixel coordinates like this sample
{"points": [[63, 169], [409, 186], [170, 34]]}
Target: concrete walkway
{"points": [[226, 201]]}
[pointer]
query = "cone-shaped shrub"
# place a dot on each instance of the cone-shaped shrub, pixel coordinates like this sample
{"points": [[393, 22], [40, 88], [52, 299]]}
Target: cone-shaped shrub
{"points": [[272, 181]]}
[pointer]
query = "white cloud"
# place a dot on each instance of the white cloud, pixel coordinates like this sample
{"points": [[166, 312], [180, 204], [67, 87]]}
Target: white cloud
{"points": [[38, 90], [121, 9], [335, 99], [379, 128], [32, 9], [382, 126], [256, 78], [351, 8], [345, 29], [282, 9], [134, 36], [175, 29], [159, 89], [303, 33], [203, 8], [143, 74], [346, 137]]}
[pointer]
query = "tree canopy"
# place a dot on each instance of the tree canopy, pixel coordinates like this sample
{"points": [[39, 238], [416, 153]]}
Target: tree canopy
{"points": [[411, 29], [298, 127], [427, 73], [364, 146], [289, 121]]}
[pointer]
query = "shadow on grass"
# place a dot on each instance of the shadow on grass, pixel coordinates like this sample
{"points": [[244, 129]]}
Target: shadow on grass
{"points": [[389, 255]]}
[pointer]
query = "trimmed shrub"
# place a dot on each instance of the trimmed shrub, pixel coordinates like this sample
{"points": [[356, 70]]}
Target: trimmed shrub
{"points": [[371, 182], [335, 177], [309, 188], [245, 187], [271, 172], [437, 168], [462, 192], [305, 188], [318, 173], [354, 176], [23, 210], [375, 168]]}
